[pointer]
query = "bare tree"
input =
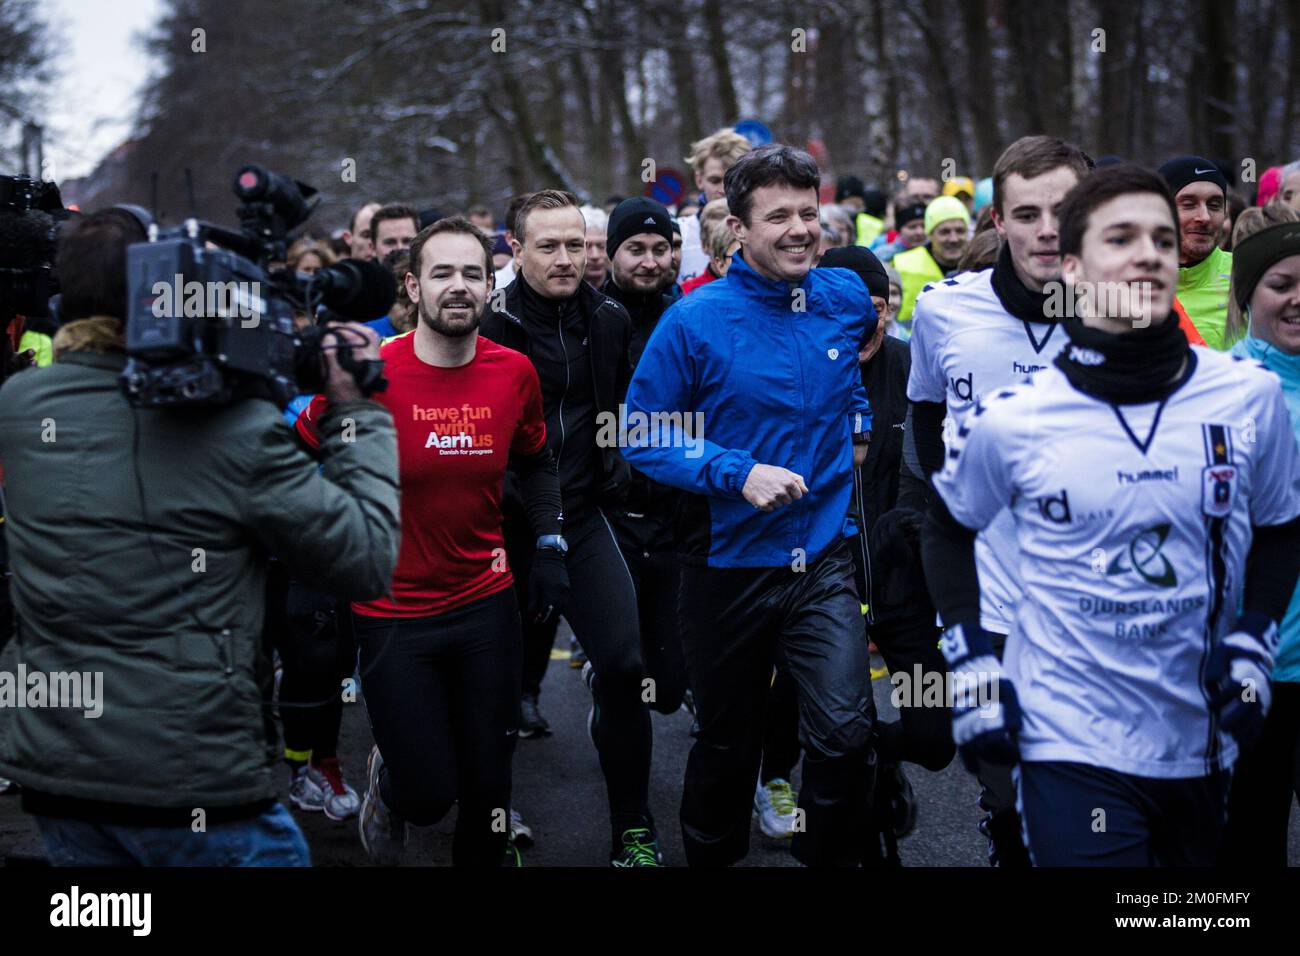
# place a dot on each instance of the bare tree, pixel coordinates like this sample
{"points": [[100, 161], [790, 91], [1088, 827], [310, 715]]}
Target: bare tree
{"points": [[673, 20], [981, 91], [1261, 55], [1212, 85], [721, 60], [1117, 19], [1285, 138], [25, 56], [441, 103], [929, 19]]}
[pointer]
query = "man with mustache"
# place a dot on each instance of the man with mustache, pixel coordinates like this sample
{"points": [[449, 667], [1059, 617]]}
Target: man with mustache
{"points": [[978, 332], [1204, 270], [578, 341], [440, 652]]}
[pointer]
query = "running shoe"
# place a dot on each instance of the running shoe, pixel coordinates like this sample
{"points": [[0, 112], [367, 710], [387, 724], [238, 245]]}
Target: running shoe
{"points": [[513, 859], [383, 833], [305, 792], [577, 656], [532, 723], [640, 848], [774, 805], [589, 679], [340, 800], [521, 834]]}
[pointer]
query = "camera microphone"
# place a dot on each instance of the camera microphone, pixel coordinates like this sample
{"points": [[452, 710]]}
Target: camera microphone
{"points": [[358, 289], [26, 252], [26, 239]]}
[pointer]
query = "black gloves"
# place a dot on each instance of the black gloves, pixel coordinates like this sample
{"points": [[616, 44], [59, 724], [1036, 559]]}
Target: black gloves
{"points": [[548, 585], [896, 537]]}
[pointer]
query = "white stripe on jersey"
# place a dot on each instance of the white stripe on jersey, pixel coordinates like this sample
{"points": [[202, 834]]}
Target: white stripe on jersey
{"points": [[966, 345], [1117, 552]]}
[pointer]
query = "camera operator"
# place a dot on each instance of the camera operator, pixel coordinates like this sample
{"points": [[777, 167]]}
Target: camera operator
{"points": [[139, 540]]}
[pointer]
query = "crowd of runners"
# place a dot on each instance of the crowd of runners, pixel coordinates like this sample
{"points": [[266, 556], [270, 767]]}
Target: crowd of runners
{"points": [[1031, 438]]}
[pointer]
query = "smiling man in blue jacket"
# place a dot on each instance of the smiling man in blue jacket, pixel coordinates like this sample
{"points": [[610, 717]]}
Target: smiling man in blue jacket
{"points": [[764, 362]]}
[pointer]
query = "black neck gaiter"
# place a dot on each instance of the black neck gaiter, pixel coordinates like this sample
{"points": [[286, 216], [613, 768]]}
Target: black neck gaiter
{"points": [[1011, 292], [1130, 368]]}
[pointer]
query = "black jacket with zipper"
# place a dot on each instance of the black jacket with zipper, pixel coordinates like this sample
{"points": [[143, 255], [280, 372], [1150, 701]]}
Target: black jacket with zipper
{"points": [[645, 518], [604, 331]]}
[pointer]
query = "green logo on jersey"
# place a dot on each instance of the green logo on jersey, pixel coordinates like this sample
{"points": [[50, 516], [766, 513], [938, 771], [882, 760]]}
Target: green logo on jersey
{"points": [[1143, 556]]}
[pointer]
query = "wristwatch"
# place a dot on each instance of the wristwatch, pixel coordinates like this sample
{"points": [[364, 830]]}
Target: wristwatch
{"points": [[555, 542]]}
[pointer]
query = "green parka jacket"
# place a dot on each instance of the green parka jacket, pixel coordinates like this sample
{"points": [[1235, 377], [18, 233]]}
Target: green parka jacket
{"points": [[139, 542]]}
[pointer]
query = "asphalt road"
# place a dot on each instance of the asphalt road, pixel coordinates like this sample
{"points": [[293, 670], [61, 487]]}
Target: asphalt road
{"points": [[560, 792]]}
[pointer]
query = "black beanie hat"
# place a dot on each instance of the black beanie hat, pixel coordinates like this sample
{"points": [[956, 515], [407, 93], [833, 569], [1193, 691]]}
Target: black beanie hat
{"points": [[847, 186], [1182, 170], [874, 203], [862, 261], [905, 214], [634, 216]]}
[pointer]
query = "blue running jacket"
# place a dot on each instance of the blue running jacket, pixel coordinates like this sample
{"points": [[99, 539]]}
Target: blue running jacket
{"points": [[748, 370]]}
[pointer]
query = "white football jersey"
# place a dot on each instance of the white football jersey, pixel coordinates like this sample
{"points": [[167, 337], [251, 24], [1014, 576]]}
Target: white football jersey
{"points": [[966, 345], [1133, 523]]}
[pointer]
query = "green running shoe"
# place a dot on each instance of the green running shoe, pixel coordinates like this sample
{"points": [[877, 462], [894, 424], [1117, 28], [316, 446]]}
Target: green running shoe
{"points": [[640, 848]]}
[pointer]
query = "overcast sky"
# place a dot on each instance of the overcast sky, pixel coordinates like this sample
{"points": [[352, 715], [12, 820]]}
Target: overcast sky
{"points": [[102, 65]]}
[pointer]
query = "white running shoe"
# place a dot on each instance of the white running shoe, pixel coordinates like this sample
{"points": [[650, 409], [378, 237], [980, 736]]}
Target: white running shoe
{"points": [[774, 805], [588, 677], [339, 801], [521, 834], [305, 792], [384, 835]]}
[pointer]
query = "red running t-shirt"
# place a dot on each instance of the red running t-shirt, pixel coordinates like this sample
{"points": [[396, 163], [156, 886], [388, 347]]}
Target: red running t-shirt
{"points": [[456, 428]]}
